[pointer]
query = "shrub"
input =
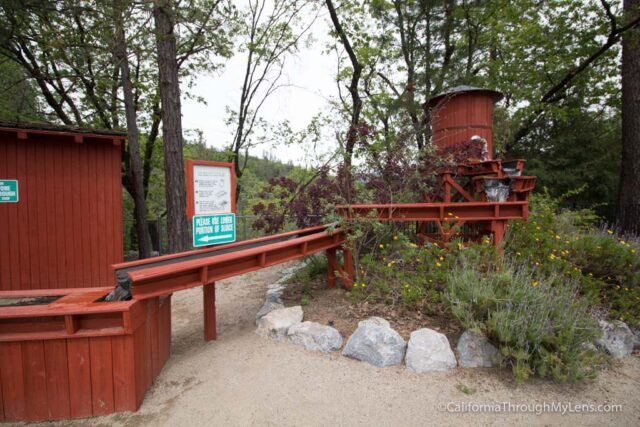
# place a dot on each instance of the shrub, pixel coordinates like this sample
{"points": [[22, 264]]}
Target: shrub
{"points": [[567, 244], [613, 265], [540, 324]]}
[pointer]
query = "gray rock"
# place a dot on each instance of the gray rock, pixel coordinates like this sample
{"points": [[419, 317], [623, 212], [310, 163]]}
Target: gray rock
{"points": [[267, 308], [274, 296], [617, 338], [315, 336], [429, 351], [276, 323], [376, 343], [636, 336], [476, 351]]}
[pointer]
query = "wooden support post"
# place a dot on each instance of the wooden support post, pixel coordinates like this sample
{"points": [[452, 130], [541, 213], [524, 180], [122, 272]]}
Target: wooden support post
{"points": [[209, 303], [331, 268], [498, 229], [348, 268]]}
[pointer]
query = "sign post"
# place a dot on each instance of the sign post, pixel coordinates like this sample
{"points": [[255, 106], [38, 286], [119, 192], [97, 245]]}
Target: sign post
{"points": [[211, 204], [9, 191]]}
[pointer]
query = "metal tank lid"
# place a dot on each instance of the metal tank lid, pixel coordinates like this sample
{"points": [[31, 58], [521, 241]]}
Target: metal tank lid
{"points": [[497, 96]]}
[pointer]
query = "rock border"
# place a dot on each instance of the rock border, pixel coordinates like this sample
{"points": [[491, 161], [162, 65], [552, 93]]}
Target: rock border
{"points": [[375, 342]]}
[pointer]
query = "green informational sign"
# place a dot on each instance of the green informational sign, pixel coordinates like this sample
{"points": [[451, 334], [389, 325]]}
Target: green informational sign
{"points": [[8, 191], [214, 229]]}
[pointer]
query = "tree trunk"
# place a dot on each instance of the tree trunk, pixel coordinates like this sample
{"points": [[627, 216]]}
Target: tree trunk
{"points": [[142, 230], [177, 227], [629, 188]]}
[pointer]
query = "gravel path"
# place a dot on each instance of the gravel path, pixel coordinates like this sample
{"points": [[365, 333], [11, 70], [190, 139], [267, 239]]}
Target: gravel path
{"points": [[243, 379]]}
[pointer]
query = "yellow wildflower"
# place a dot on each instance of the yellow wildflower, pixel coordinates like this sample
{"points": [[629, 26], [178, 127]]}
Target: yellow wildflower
{"points": [[395, 237], [381, 246], [438, 264], [610, 232]]}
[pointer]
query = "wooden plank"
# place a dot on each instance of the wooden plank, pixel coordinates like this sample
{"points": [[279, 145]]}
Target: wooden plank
{"points": [[35, 380], [100, 219], [91, 203], [124, 391], [108, 231], [36, 258], [57, 368], [165, 329], [12, 381], [101, 375], [87, 208], [152, 324], [79, 363], [142, 363], [12, 232], [79, 243], [49, 218], [209, 308], [116, 188], [1, 402], [71, 262], [56, 208], [23, 225], [5, 276]]}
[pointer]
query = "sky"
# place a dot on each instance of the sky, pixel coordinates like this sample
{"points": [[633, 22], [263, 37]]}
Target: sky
{"points": [[310, 74]]}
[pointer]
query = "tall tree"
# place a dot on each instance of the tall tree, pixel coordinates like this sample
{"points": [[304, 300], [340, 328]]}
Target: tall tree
{"points": [[353, 87], [177, 226], [629, 190], [272, 30], [139, 206]]}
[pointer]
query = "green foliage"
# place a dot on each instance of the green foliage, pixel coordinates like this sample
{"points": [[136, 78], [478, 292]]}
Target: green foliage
{"points": [[581, 149], [541, 325], [18, 96], [534, 301], [562, 242]]}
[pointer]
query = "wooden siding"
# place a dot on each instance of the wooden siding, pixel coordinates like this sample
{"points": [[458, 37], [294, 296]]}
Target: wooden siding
{"points": [[66, 229], [94, 374], [459, 117]]}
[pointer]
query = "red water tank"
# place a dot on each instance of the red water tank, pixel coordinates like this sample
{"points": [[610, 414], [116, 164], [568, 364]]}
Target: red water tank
{"points": [[461, 113]]}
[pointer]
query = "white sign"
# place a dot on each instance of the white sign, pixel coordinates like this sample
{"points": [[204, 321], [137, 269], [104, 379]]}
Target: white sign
{"points": [[212, 189]]}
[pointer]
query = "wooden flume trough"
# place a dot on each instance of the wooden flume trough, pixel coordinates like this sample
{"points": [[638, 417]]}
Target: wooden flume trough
{"points": [[80, 356]]}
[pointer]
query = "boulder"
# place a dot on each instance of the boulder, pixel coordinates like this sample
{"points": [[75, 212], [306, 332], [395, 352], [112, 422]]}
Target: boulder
{"points": [[315, 336], [476, 351], [268, 307], [617, 338], [276, 323], [429, 351], [376, 343]]}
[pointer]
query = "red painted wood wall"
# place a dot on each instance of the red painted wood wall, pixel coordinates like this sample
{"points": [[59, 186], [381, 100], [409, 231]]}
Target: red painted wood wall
{"points": [[66, 229], [93, 371]]}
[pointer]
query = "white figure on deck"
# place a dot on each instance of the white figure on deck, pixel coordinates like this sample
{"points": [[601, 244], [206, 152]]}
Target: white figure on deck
{"points": [[485, 146]]}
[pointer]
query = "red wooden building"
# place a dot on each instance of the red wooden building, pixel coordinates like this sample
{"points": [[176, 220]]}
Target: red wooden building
{"points": [[66, 229], [64, 351]]}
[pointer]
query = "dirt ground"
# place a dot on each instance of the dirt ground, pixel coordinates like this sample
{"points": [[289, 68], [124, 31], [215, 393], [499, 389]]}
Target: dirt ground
{"points": [[333, 308], [243, 379]]}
